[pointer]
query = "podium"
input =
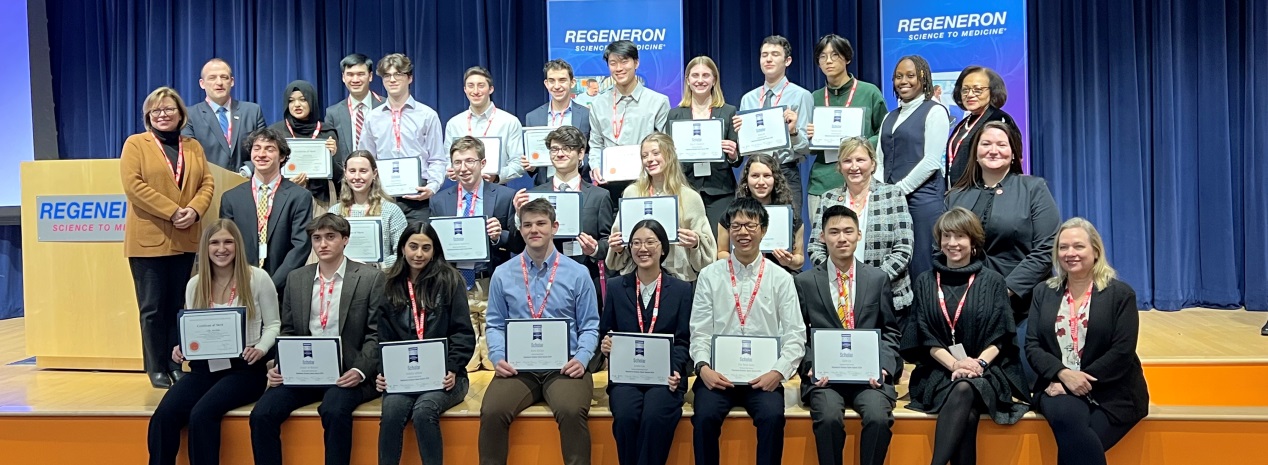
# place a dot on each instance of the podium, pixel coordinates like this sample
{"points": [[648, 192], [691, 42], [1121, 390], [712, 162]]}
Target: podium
{"points": [[81, 310]]}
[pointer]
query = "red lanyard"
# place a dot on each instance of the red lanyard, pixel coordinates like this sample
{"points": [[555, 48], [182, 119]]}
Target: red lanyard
{"points": [[396, 125], [1078, 315], [638, 302], [861, 206], [952, 146], [324, 296], [178, 169], [842, 296], [618, 124], [471, 207], [561, 114], [229, 126], [292, 130], [263, 222], [761, 101], [848, 100], [486, 128], [942, 302], [534, 311], [761, 270], [420, 313]]}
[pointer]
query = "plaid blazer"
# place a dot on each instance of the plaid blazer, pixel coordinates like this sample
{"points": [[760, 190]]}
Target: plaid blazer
{"points": [[887, 241]]}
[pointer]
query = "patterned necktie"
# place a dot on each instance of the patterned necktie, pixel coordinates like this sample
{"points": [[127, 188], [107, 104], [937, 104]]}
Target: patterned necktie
{"points": [[468, 275], [360, 120], [768, 101], [223, 115], [262, 211], [843, 302], [563, 187]]}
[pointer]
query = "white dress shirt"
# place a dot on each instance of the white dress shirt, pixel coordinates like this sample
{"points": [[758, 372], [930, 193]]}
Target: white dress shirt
{"points": [[937, 126], [492, 123], [776, 311], [332, 319], [421, 137]]}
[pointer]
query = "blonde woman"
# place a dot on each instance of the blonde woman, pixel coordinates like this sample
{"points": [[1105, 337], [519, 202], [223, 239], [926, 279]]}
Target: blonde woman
{"points": [[702, 100], [662, 175], [362, 195], [213, 387]]}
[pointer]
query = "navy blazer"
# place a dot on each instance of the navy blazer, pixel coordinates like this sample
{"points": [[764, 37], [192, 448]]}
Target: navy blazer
{"points": [[205, 127], [540, 116], [497, 200], [674, 317], [289, 244]]}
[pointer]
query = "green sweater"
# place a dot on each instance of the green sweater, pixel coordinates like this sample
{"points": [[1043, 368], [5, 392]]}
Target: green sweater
{"points": [[824, 176]]}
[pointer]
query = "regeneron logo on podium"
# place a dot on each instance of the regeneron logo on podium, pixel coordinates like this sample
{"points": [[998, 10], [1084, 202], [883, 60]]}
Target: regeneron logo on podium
{"points": [[81, 218]]}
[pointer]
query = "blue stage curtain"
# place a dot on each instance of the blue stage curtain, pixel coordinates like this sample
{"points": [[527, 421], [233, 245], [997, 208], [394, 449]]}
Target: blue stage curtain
{"points": [[10, 272]]}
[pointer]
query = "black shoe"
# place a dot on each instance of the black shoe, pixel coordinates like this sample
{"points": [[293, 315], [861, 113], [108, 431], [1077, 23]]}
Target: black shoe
{"points": [[1264, 331], [177, 375], [160, 380]]}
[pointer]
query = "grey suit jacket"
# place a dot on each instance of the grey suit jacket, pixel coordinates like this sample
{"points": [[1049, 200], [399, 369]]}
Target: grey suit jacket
{"points": [[288, 243], [596, 220], [540, 116], [873, 309], [339, 118], [361, 300], [245, 118], [887, 243]]}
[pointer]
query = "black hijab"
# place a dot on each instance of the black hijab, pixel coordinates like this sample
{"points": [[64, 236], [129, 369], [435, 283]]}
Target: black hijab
{"points": [[302, 128]]}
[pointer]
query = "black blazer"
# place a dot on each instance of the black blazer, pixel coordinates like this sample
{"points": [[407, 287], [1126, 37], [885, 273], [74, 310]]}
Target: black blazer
{"points": [[319, 187], [497, 203], [964, 152], [289, 244], [722, 181], [361, 301], [873, 309], [451, 320], [540, 116], [596, 220], [674, 318], [1109, 354]]}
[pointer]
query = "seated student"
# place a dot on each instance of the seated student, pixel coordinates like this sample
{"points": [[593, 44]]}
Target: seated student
{"points": [[846, 293], [214, 387], [362, 195], [426, 300], [472, 196], [762, 179], [335, 296], [270, 210], [644, 418], [769, 307], [554, 288]]}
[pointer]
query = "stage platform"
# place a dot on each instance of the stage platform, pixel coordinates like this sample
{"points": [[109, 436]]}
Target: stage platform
{"points": [[1207, 372]]}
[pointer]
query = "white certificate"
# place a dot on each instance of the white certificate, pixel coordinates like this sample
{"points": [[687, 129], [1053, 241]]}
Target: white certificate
{"points": [[365, 245], [535, 147], [309, 360], [401, 176], [779, 233], [414, 366], [567, 211], [763, 130], [832, 124], [621, 163], [537, 344], [465, 238], [212, 333], [640, 358], [847, 355], [663, 209], [308, 156], [744, 358], [697, 140], [492, 155]]}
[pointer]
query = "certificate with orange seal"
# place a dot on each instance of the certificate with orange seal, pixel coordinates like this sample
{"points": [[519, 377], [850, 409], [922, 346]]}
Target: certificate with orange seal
{"points": [[308, 156], [535, 148], [215, 333]]}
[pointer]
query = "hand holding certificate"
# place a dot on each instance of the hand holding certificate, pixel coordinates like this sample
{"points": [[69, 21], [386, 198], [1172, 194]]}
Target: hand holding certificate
{"points": [[847, 356], [309, 360], [744, 358], [213, 333], [640, 358], [464, 237], [663, 209], [567, 211], [698, 140], [365, 244], [762, 130], [537, 344], [779, 235], [833, 124], [414, 366], [535, 148], [492, 155], [401, 176], [308, 156], [621, 163]]}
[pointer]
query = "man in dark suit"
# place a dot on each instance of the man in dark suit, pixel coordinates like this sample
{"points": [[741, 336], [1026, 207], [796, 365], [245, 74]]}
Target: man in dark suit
{"points": [[220, 123], [356, 292], [559, 111], [472, 196], [348, 115], [270, 210], [844, 293]]}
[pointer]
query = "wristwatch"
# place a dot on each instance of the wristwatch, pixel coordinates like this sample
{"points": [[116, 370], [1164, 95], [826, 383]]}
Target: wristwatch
{"points": [[699, 366], [982, 363]]}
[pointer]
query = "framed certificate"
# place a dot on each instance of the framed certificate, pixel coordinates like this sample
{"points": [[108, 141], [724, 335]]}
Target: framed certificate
{"points": [[492, 155], [832, 124], [621, 163], [366, 242], [744, 358], [401, 176], [537, 344], [847, 355], [640, 358], [663, 209], [465, 238], [309, 361], [698, 140], [414, 366], [763, 130], [567, 211], [779, 233], [208, 334], [535, 147], [308, 156]]}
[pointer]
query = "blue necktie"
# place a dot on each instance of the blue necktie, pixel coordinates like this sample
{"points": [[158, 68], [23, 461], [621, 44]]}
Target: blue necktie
{"points": [[467, 274], [223, 115]]}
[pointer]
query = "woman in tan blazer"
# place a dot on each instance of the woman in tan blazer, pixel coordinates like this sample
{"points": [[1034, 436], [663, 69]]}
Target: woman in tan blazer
{"points": [[169, 188]]}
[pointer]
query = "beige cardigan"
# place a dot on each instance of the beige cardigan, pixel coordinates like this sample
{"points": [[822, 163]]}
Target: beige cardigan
{"points": [[682, 263]]}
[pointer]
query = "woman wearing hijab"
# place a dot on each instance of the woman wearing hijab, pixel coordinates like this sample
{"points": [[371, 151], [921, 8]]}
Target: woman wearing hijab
{"points": [[302, 121]]}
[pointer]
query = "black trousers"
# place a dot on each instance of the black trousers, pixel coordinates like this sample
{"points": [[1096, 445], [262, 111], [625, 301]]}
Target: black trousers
{"points": [[765, 408], [827, 414], [200, 400], [792, 174], [336, 409], [160, 293], [715, 207], [415, 210], [615, 190], [644, 419], [1083, 432]]}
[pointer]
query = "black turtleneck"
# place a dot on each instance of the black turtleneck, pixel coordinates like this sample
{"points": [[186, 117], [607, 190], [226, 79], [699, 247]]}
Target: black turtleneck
{"points": [[170, 141], [955, 281]]}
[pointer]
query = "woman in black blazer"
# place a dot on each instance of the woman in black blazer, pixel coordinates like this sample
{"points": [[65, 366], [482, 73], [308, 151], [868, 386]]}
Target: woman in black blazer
{"points": [[1082, 344], [980, 92], [424, 290], [648, 300], [302, 120], [702, 100]]}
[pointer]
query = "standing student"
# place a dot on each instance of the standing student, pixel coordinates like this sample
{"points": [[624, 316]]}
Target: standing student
{"points": [[300, 121], [405, 128], [220, 123], [775, 58], [362, 195], [762, 180], [271, 211], [169, 188], [348, 116], [426, 299], [483, 119], [624, 114], [333, 297], [980, 92], [702, 100], [750, 295], [214, 387], [560, 111], [554, 288]]}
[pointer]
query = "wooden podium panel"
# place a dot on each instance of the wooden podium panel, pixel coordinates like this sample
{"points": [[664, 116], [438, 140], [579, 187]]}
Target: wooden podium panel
{"points": [[81, 310]]}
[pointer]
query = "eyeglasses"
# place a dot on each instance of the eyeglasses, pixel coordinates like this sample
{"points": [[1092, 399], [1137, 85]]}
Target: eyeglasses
{"points": [[644, 245], [831, 56], [470, 163], [974, 90], [163, 111], [391, 76], [750, 227]]}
